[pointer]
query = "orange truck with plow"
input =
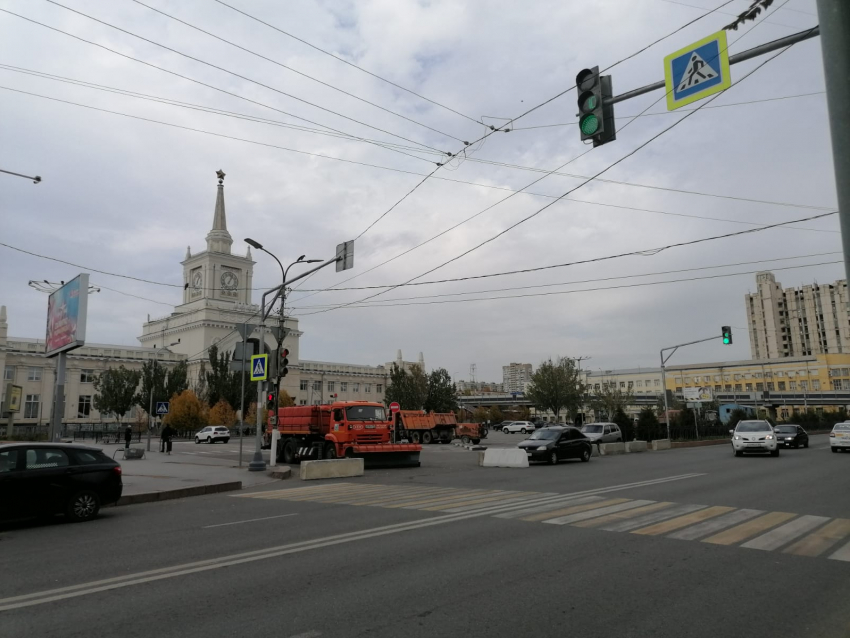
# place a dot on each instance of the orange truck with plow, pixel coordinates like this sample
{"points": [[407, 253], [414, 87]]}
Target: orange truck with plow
{"points": [[343, 429], [434, 427]]}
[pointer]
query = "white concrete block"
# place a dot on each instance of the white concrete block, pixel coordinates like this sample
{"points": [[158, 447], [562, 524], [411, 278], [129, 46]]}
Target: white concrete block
{"points": [[331, 468], [636, 446], [661, 444], [505, 457], [612, 448]]}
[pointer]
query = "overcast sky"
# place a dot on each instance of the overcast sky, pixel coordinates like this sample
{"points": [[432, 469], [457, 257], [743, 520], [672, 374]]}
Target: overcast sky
{"points": [[127, 196]]}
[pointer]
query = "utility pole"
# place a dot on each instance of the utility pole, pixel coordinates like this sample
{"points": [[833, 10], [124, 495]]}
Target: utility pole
{"points": [[834, 18]]}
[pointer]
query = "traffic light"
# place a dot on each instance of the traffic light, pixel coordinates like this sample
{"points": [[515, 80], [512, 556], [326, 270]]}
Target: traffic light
{"points": [[727, 335], [270, 400], [284, 361], [596, 122]]}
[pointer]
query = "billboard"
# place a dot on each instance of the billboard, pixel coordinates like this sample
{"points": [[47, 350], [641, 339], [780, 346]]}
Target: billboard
{"points": [[12, 400], [697, 394], [66, 316]]}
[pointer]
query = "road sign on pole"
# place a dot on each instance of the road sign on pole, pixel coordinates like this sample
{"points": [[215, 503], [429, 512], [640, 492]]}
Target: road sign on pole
{"points": [[162, 408], [394, 407], [259, 367], [697, 71]]}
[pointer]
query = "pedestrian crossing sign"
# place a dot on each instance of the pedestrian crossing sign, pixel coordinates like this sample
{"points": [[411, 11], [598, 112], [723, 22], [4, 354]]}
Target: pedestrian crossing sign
{"points": [[259, 367], [697, 71]]}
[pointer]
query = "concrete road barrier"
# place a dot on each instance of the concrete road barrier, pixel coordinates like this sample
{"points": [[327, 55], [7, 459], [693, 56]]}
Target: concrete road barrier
{"points": [[661, 444], [612, 448], [331, 468], [636, 446], [504, 457]]}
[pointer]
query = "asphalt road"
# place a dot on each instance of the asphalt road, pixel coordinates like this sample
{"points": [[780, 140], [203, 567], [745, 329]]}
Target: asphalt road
{"points": [[691, 542]]}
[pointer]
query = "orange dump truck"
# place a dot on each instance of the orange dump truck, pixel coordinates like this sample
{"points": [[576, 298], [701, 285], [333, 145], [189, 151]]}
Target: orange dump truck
{"points": [[433, 427], [342, 429]]}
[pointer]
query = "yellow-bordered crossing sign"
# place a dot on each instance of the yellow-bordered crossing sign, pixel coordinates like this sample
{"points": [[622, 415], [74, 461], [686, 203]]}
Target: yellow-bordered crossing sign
{"points": [[697, 71], [259, 367]]}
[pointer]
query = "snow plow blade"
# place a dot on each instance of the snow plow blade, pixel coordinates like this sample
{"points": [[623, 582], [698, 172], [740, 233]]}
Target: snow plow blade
{"points": [[389, 455]]}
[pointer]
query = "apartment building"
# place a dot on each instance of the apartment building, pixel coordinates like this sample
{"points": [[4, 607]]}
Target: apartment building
{"points": [[516, 377]]}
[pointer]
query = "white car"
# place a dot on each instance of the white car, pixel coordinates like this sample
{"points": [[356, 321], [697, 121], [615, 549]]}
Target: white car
{"points": [[213, 433], [754, 436], [518, 426], [839, 438]]}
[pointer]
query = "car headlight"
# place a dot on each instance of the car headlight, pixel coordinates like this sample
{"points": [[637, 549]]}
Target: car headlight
{"points": [[737, 438], [542, 448], [769, 437], [789, 438]]}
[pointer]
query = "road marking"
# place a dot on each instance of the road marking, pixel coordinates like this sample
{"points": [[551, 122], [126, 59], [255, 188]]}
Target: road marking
{"points": [[250, 520], [443, 498], [780, 536], [573, 509], [503, 497], [715, 525], [550, 506], [619, 516], [818, 542], [127, 580], [581, 516], [842, 554], [387, 496], [751, 528], [519, 499], [643, 521], [682, 521]]}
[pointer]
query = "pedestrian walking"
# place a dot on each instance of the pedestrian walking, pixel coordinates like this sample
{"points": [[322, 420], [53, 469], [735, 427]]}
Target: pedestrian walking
{"points": [[167, 433], [128, 436]]}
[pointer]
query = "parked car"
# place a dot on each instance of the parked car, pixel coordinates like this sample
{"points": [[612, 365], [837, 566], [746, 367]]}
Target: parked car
{"points": [[791, 436], [44, 479], [839, 438], [501, 426], [213, 433], [602, 432], [557, 443], [754, 436], [518, 426]]}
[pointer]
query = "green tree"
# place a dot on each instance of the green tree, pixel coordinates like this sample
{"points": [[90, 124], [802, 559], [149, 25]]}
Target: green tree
{"points": [[611, 398], [409, 389], [153, 381], [496, 415], [177, 379], [116, 391], [556, 386], [648, 427], [221, 383], [442, 393], [627, 426]]}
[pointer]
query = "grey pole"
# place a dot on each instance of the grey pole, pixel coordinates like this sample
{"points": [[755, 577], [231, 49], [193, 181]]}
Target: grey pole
{"points": [[257, 464], [58, 400], [664, 390], [242, 408], [834, 17], [150, 409]]}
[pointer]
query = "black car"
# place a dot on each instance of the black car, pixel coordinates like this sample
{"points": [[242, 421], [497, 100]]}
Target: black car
{"points": [[553, 444], [43, 479], [791, 436]]}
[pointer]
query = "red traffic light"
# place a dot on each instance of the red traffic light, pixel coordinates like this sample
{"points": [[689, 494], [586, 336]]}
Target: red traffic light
{"points": [[270, 397], [284, 353]]}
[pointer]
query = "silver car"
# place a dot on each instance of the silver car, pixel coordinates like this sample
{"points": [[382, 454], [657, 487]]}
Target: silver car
{"points": [[754, 436], [602, 432]]}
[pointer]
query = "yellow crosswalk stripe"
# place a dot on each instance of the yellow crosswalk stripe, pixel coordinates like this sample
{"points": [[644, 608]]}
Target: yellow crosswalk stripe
{"points": [[441, 499], [818, 542], [574, 509], [742, 532], [350, 497], [392, 495], [682, 521], [294, 492], [318, 497], [619, 516], [503, 496]]}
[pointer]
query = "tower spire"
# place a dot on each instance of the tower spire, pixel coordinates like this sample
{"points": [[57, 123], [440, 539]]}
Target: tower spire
{"points": [[218, 239]]}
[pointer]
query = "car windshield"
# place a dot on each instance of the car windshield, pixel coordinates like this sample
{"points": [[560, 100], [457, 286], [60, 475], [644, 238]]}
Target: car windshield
{"points": [[786, 429], [842, 427], [592, 429], [753, 426], [545, 434], [365, 413]]}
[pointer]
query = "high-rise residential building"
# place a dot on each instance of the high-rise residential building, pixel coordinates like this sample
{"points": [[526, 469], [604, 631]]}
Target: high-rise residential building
{"points": [[516, 377], [797, 322]]}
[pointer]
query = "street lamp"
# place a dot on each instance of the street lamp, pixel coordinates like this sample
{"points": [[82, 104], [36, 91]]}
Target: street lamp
{"points": [[153, 381], [258, 464]]}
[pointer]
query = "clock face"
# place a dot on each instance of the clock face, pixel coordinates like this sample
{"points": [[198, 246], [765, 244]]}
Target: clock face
{"points": [[197, 280], [229, 281]]}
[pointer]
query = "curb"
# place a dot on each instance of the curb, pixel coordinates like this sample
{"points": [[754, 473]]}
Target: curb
{"points": [[680, 444], [183, 492], [284, 472]]}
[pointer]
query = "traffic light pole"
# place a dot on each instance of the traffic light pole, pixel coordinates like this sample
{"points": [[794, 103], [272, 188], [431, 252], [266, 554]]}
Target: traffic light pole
{"points": [[834, 15]]}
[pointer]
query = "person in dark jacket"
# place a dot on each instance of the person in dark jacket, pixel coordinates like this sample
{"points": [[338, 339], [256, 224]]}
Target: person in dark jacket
{"points": [[128, 436], [167, 433]]}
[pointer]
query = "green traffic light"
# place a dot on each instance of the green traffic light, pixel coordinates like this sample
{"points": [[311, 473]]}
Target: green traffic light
{"points": [[726, 340], [589, 104], [589, 124]]}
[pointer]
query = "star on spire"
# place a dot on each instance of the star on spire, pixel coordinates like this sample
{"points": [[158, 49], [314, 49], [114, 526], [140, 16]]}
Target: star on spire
{"points": [[220, 174]]}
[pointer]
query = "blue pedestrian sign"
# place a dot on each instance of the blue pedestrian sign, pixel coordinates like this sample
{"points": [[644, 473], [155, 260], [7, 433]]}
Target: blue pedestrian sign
{"points": [[697, 71], [259, 367], [161, 408]]}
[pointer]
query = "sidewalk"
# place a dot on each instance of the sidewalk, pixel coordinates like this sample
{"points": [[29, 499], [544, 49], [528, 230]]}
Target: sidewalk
{"points": [[160, 477]]}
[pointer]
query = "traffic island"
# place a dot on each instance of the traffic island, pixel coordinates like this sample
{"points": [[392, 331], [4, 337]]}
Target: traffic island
{"points": [[331, 468]]}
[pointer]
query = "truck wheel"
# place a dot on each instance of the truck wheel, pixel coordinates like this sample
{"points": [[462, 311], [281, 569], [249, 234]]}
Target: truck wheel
{"points": [[330, 451], [427, 437], [414, 436], [289, 452], [464, 439]]}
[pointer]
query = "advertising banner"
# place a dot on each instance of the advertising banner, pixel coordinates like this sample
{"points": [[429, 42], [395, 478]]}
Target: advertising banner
{"points": [[66, 316], [697, 395]]}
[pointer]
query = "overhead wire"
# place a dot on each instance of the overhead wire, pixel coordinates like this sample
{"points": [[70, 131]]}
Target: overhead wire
{"points": [[607, 168], [289, 68], [199, 82]]}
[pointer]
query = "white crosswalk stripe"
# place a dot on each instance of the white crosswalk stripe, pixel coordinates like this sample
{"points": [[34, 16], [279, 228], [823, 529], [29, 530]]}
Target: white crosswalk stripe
{"points": [[715, 525], [784, 534]]}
